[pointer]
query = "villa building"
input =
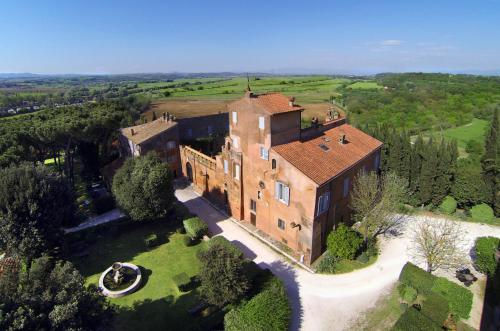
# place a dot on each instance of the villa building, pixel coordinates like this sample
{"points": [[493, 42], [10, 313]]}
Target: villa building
{"points": [[291, 183]]}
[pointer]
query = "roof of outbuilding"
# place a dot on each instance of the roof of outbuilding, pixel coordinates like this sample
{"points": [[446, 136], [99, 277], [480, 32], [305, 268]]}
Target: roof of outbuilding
{"points": [[323, 158], [146, 131]]}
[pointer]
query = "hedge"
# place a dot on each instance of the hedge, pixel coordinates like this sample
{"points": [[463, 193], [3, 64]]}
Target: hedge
{"points": [[182, 281], [436, 308], [485, 254], [413, 276], [482, 213], [448, 206], [413, 320], [220, 240], [458, 297], [195, 227], [407, 293], [151, 240], [266, 311]]}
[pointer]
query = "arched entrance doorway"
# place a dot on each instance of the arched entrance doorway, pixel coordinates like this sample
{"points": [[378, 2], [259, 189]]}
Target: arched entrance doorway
{"points": [[189, 171]]}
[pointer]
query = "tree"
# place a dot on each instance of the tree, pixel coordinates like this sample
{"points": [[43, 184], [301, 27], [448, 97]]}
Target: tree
{"points": [[143, 187], [344, 242], [50, 295], [34, 204], [437, 243], [469, 188], [222, 275], [375, 202], [491, 162]]}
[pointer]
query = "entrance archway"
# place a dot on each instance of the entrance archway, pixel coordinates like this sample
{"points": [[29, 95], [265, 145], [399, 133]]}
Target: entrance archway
{"points": [[189, 171]]}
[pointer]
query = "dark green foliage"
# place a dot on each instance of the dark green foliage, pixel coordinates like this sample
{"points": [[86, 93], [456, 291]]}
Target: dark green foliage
{"points": [[220, 240], [151, 240], [411, 275], [482, 213], [143, 187], [51, 296], [491, 162], [414, 320], [195, 227], [182, 281], [222, 276], [344, 242], [34, 204], [188, 241], [485, 248], [469, 188], [407, 293], [474, 148], [448, 206], [435, 307], [328, 263], [458, 297], [266, 311]]}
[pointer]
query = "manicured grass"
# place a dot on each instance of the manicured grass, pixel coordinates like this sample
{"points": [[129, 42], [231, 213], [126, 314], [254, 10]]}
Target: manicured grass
{"points": [[472, 131], [344, 266], [158, 305], [365, 85]]}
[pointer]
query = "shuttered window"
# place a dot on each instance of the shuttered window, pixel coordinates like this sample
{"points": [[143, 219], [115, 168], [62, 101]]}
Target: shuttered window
{"points": [[235, 117], [282, 193], [262, 122], [237, 171], [226, 166], [323, 203], [346, 187], [264, 153]]}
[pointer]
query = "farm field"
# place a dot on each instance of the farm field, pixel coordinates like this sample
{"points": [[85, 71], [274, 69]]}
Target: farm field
{"points": [[365, 85]]}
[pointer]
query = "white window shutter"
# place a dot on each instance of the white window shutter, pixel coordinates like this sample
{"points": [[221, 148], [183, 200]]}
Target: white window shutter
{"points": [[226, 167], [286, 194], [261, 123], [235, 117], [277, 190]]}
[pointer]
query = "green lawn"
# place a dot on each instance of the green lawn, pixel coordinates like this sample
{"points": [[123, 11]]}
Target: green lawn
{"points": [[345, 266], [365, 85], [472, 131], [158, 305]]}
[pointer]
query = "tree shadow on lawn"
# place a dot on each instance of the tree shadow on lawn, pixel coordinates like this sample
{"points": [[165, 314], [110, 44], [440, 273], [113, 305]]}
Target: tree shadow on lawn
{"points": [[288, 275]]}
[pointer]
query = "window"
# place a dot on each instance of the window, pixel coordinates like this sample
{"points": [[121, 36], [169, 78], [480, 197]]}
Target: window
{"points": [[346, 186], [237, 172], [171, 145], [273, 164], [226, 166], [171, 158], [253, 205], [235, 117], [281, 224], [210, 129], [323, 203], [236, 142], [262, 123], [282, 193], [376, 162], [189, 133], [264, 153]]}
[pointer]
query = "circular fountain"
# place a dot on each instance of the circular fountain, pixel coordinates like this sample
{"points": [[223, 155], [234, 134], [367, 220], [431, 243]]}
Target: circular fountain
{"points": [[120, 279]]}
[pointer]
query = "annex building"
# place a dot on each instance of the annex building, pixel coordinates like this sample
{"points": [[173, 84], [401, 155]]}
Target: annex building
{"points": [[292, 184]]}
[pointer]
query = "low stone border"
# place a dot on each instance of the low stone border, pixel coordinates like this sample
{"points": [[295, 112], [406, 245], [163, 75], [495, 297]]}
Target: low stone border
{"points": [[128, 290]]}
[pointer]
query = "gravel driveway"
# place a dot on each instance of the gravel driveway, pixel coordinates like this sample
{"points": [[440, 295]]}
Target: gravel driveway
{"points": [[322, 302]]}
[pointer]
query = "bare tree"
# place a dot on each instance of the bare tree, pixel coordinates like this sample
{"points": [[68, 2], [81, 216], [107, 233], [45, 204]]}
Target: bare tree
{"points": [[375, 201], [437, 243]]}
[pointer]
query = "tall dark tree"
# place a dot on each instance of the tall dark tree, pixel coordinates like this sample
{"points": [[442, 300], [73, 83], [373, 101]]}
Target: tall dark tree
{"points": [[416, 160], [491, 162], [34, 204], [428, 172], [50, 296], [469, 188]]}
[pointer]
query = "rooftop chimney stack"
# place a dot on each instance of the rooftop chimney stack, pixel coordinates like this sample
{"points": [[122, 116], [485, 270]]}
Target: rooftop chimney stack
{"points": [[342, 139], [164, 116], [132, 131]]}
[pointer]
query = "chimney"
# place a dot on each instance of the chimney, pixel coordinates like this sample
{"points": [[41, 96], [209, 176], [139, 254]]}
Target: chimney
{"points": [[342, 139], [132, 131], [164, 116], [290, 101]]}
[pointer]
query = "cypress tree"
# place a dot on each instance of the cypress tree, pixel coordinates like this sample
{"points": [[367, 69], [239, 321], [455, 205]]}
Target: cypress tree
{"points": [[416, 158], [490, 162], [428, 172], [443, 173]]}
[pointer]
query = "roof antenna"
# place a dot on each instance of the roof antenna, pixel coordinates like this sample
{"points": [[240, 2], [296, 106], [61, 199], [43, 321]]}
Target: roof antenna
{"points": [[248, 83]]}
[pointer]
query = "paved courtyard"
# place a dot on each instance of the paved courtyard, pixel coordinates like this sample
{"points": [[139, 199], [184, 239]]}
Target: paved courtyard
{"points": [[322, 302]]}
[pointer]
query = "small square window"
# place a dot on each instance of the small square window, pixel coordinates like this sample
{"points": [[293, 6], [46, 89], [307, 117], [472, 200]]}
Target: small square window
{"points": [[281, 224], [264, 153]]}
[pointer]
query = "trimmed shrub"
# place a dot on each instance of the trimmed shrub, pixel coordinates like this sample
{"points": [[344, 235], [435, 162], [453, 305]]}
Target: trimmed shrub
{"points": [[188, 241], [328, 263], [413, 320], [220, 240], [458, 297], [413, 276], [407, 293], [266, 311], [182, 281], [195, 227], [151, 240], [448, 206], [485, 254], [344, 242], [482, 213], [436, 308]]}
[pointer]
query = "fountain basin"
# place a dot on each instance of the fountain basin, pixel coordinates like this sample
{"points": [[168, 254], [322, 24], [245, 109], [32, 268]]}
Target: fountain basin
{"points": [[122, 292]]}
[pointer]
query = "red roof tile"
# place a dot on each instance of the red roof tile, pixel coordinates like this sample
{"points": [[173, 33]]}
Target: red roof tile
{"points": [[143, 132], [276, 103], [331, 159]]}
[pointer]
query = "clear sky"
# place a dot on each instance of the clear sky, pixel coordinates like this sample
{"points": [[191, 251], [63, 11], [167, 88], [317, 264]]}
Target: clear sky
{"points": [[131, 36]]}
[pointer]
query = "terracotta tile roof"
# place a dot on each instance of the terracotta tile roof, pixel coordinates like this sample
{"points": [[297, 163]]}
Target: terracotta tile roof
{"points": [[273, 103], [146, 131], [331, 159]]}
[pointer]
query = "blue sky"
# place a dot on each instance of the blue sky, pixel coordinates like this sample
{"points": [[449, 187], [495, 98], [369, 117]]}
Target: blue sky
{"points": [[126, 36]]}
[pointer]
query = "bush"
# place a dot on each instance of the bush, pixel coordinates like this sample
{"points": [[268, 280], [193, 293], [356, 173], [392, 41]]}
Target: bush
{"points": [[328, 263], [182, 281], [435, 307], [344, 242], [195, 227], [103, 204], [266, 311], [151, 240], [458, 297], [363, 258], [413, 320], [407, 293], [448, 206], [413, 276], [188, 241], [220, 240], [485, 254], [482, 213]]}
